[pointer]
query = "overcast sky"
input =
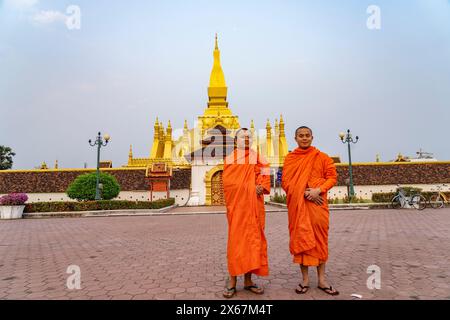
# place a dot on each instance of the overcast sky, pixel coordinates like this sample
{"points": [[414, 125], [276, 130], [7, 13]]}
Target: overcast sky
{"points": [[316, 62]]}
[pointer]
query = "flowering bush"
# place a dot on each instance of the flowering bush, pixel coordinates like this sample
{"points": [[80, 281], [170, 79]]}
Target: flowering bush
{"points": [[13, 199]]}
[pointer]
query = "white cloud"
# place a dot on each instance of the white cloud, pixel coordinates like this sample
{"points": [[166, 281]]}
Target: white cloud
{"points": [[46, 17], [21, 4]]}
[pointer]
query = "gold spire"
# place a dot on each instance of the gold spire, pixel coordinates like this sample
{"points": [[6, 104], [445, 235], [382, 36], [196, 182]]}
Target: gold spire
{"points": [[252, 125], [217, 78], [282, 134], [161, 131], [130, 154], [169, 132], [56, 164], [156, 129], [268, 128], [185, 125]]}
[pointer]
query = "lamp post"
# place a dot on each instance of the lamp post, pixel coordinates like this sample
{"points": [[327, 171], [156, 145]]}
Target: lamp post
{"points": [[99, 143], [347, 138]]}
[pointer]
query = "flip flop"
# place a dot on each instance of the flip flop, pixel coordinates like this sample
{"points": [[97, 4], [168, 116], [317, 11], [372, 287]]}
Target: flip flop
{"points": [[302, 289], [255, 289], [326, 290], [229, 292]]}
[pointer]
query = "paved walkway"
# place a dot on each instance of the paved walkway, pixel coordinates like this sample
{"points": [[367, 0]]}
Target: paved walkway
{"points": [[184, 257]]}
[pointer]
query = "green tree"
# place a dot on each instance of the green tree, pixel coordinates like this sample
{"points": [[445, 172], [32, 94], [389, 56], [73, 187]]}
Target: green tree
{"points": [[6, 156], [83, 187]]}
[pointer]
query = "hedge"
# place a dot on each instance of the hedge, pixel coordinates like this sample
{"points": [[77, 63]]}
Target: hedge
{"points": [[345, 200], [278, 198], [96, 205]]}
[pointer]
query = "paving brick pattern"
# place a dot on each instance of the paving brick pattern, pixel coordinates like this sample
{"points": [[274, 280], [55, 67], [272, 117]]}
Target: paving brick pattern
{"points": [[184, 257]]}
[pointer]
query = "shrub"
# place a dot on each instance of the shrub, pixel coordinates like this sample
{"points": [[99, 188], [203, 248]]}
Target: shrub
{"points": [[278, 198], [13, 199], [96, 205], [83, 187], [344, 200], [383, 197]]}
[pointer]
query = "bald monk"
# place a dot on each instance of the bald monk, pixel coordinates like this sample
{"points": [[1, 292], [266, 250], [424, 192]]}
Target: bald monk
{"points": [[246, 178], [307, 176]]}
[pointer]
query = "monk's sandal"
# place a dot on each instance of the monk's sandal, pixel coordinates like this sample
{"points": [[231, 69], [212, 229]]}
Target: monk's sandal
{"points": [[330, 291], [303, 289], [255, 289], [229, 292]]}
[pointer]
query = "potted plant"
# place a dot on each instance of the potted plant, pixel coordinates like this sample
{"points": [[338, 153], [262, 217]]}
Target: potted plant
{"points": [[12, 205]]}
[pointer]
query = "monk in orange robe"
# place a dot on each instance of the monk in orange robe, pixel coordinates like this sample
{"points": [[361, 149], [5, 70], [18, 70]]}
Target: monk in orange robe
{"points": [[246, 178], [307, 176]]}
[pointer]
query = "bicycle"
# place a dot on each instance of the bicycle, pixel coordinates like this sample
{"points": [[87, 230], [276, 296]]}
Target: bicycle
{"points": [[416, 201], [439, 199]]}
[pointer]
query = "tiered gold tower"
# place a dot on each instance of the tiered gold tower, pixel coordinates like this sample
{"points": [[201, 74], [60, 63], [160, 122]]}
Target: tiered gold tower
{"points": [[270, 143]]}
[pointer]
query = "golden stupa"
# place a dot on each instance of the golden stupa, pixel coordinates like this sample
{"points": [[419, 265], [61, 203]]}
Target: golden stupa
{"points": [[271, 143]]}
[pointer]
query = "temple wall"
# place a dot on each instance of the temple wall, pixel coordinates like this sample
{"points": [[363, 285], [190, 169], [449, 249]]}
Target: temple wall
{"points": [[365, 192], [43, 185]]}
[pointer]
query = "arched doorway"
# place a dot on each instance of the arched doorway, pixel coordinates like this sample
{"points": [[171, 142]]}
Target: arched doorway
{"points": [[217, 196]]}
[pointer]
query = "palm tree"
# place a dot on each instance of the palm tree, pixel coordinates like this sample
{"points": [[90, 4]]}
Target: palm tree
{"points": [[6, 156]]}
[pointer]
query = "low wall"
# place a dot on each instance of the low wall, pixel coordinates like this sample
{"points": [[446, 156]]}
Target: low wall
{"points": [[57, 181]]}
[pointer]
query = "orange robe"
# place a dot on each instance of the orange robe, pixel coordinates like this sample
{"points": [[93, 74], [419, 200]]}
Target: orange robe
{"points": [[247, 244], [308, 222]]}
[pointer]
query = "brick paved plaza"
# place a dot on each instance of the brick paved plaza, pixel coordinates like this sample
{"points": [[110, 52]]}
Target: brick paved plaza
{"points": [[184, 256]]}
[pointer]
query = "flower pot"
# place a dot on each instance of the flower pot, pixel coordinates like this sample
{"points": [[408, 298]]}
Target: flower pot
{"points": [[11, 212]]}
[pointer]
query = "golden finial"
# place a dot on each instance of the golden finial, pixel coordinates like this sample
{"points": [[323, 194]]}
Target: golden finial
{"points": [[156, 122], [130, 154], [268, 126], [56, 164], [168, 125], [282, 134], [217, 45], [161, 130], [185, 125], [252, 125]]}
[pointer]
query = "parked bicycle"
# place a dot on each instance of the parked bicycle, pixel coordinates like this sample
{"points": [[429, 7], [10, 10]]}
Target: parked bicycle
{"points": [[416, 201], [438, 199]]}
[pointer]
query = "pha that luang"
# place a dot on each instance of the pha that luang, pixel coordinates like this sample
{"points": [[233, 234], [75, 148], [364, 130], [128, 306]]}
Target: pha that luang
{"points": [[204, 147]]}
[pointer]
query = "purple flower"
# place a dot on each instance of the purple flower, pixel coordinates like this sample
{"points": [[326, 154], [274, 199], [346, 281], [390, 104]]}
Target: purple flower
{"points": [[14, 199]]}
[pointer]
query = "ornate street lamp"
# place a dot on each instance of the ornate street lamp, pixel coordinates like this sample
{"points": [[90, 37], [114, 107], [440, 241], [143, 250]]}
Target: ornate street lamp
{"points": [[348, 139], [99, 143]]}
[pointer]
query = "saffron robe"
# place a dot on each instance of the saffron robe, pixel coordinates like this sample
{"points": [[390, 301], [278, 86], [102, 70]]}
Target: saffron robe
{"points": [[308, 222], [247, 244]]}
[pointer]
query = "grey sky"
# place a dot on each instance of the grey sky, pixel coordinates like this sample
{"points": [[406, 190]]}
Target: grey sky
{"points": [[316, 62]]}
